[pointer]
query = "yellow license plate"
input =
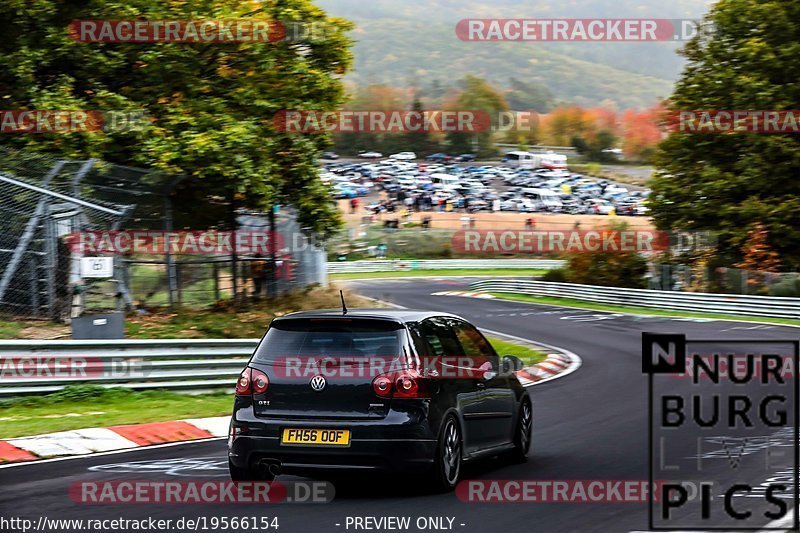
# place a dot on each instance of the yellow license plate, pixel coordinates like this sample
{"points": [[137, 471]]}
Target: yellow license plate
{"points": [[316, 437]]}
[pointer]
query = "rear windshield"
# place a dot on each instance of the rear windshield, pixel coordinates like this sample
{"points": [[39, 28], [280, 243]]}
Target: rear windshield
{"points": [[331, 337]]}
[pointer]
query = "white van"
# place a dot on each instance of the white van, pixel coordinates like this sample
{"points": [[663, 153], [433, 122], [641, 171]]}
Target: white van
{"points": [[523, 160], [543, 199], [553, 161], [529, 161], [445, 181]]}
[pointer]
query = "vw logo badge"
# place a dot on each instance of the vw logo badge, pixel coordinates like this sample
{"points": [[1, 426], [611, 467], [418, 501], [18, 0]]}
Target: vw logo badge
{"points": [[318, 383]]}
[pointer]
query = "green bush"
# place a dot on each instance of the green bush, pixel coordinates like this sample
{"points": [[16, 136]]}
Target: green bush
{"points": [[786, 288], [556, 275], [607, 269]]}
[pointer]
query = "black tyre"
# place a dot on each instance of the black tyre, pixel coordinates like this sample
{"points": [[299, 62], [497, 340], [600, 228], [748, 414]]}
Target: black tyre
{"points": [[448, 460], [522, 433]]}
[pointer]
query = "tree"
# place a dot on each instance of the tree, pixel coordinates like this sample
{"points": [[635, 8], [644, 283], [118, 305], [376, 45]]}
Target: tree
{"points": [[529, 95], [525, 130], [597, 148], [608, 269], [641, 133], [211, 105], [374, 98], [477, 95], [727, 182], [757, 252], [565, 123], [419, 142], [758, 257]]}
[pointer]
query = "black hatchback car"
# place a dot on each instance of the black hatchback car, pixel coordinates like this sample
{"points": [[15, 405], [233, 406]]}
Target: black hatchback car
{"points": [[373, 390]]}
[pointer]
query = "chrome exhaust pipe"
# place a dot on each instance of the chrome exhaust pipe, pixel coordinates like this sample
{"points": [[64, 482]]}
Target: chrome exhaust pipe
{"points": [[275, 469], [273, 466]]}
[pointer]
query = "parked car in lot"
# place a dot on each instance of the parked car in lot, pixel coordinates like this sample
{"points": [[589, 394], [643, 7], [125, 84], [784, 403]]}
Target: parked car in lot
{"points": [[543, 199], [476, 187], [404, 156], [343, 191], [360, 189], [522, 205], [330, 155], [478, 204], [370, 155], [465, 158], [573, 206], [598, 206], [439, 396]]}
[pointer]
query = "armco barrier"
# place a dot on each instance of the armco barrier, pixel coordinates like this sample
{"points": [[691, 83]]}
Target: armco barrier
{"points": [[400, 265], [728, 304], [134, 364]]}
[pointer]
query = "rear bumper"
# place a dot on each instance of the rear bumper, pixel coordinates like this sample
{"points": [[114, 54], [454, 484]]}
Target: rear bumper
{"points": [[402, 441]]}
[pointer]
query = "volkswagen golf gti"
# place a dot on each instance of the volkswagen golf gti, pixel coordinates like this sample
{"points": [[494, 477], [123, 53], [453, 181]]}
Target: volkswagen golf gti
{"points": [[375, 390]]}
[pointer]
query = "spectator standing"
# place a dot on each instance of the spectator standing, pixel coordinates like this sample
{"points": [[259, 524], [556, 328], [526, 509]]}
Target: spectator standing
{"points": [[258, 271]]}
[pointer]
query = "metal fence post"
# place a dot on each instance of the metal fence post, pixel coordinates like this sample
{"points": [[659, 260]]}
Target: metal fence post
{"points": [[34, 281], [51, 265], [215, 269], [178, 283], [171, 274], [30, 230]]}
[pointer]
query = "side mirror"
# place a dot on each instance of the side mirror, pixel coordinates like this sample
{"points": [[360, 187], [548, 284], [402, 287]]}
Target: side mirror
{"points": [[511, 363]]}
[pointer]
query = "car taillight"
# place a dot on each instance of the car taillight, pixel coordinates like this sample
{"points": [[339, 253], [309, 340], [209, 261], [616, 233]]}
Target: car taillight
{"points": [[243, 383], [260, 382], [406, 384], [252, 381], [382, 386]]}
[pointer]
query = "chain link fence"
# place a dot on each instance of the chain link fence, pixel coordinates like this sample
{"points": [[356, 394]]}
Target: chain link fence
{"points": [[45, 202], [42, 200], [722, 280]]}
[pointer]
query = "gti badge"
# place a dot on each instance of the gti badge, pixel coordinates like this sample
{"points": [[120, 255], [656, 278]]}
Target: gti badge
{"points": [[318, 383]]}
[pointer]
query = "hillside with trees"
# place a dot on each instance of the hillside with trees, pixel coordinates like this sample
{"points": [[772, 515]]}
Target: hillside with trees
{"points": [[413, 44]]}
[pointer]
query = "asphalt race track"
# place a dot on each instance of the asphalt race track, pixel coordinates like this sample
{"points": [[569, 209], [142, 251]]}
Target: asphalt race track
{"points": [[590, 425]]}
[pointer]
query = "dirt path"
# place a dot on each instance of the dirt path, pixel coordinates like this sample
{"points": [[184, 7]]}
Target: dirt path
{"points": [[506, 220]]}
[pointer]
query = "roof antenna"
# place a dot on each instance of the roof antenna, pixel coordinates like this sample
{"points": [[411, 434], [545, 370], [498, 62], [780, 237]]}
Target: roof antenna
{"points": [[344, 306]]}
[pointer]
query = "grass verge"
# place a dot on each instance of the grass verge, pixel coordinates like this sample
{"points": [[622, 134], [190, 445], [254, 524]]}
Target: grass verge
{"points": [[581, 304], [529, 356], [443, 272], [244, 321], [85, 406], [32, 329], [223, 321]]}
